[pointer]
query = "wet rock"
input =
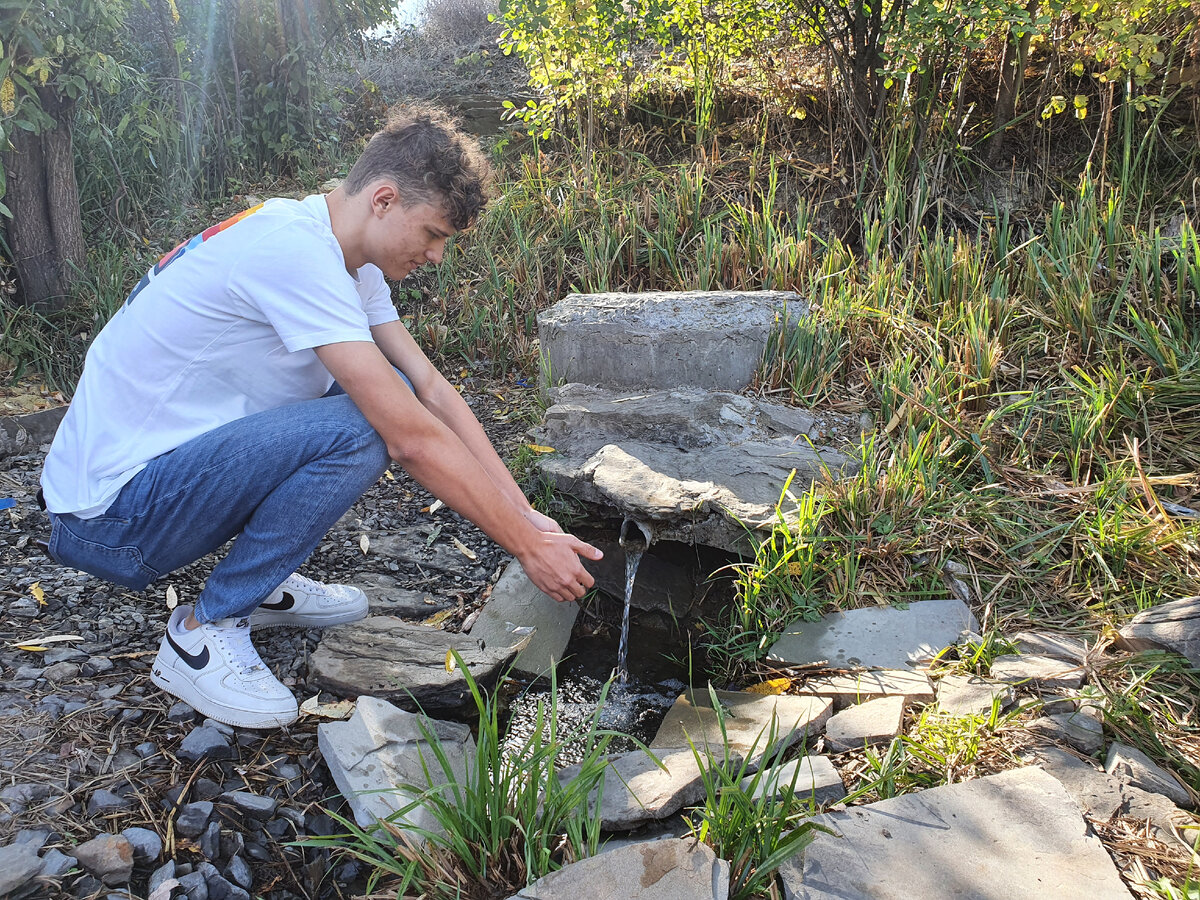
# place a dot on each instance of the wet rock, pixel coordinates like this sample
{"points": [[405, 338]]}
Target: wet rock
{"points": [[381, 747], [1135, 767], [1016, 834], [517, 610], [669, 869], [755, 726], [877, 637], [19, 864], [193, 818], [1169, 626], [109, 857], [1043, 672], [867, 724], [404, 663], [970, 695], [205, 743]]}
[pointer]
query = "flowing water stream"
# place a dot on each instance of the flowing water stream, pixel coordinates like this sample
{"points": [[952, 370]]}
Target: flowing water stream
{"points": [[635, 539]]}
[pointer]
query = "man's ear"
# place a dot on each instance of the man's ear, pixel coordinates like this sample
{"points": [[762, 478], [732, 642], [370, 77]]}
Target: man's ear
{"points": [[383, 197]]}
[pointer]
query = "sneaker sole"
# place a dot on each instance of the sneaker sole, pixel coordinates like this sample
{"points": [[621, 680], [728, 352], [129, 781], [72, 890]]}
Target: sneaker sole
{"points": [[267, 621], [185, 690]]}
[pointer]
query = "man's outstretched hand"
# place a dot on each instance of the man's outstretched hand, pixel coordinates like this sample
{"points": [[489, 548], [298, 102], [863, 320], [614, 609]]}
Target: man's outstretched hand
{"points": [[553, 565]]}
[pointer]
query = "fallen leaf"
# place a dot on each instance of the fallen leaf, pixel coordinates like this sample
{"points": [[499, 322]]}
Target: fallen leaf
{"points": [[773, 686], [538, 448], [433, 536], [439, 617], [464, 549], [172, 597], [38, 594], [53, 639], [364, 544], [32, 648], [387, 473], [339, 709], [434, 506], [451, 663]]}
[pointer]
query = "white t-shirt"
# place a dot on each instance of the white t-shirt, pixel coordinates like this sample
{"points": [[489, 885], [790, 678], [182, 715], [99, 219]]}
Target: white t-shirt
{"points": [[222, 327]]}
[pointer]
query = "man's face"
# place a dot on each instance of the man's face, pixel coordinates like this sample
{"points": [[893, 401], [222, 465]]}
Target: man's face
{"points": [[407, 237]]}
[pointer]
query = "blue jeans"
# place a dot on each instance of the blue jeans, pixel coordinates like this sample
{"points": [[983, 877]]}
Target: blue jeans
{"points": [[276, 481]]}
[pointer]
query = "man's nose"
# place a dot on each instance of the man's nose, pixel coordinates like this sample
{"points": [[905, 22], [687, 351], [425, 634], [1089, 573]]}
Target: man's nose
{"points": [[435, 252]]}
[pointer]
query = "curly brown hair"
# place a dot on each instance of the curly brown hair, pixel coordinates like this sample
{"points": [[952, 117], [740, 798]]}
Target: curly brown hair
{"points": [[426, 155]]}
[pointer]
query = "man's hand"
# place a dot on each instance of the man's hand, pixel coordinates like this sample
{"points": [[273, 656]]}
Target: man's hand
{"points": [[542, 522], [553, 565]]}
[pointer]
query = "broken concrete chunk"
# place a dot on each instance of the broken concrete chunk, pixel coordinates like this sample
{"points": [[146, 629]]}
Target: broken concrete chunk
{"points": [[877, 637], [379, 756]]}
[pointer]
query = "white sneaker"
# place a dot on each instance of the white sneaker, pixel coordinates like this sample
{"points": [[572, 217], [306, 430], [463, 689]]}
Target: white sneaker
{"points": [[215, 670], [303, 603]]}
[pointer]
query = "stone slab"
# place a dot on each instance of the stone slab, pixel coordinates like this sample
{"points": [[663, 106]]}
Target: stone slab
{"points": [[877, 637], [750, 720], [638, 790], [1169, 626], [970, 695], [866, 724], [694, 465], [1016, 834], [412, 545], [385, 597], [515, 609], [1047, 643], [1042, 672], [1136, 768], [1078, 729], [810, 777], [708, 339], [379, 758], [386, 657], [858, 687], [669, 869]]}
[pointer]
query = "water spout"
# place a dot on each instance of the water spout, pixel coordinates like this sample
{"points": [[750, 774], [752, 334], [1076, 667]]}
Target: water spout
{"points": [[635, 539], [634, 534]]}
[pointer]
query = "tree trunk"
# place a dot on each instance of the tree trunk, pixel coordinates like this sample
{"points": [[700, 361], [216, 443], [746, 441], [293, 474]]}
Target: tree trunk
{"points": [[45, 233], [1012, 76]]}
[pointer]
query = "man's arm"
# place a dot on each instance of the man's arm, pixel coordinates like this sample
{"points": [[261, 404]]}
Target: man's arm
{"points": [[438, 458], [440, 398]]}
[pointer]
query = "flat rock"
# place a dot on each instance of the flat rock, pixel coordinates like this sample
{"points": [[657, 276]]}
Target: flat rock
{"points": [[637, 790], [867, 724], [517, 609], [698, 468], [412, 545], [1133, 766], [27, 432], [668, 869], [1082, 731], [1016, 834], [857, 687], [970, 695], [379, 757], [1056, 646], [1103, 796], [709, 339], [385, 597], [1169, 626], [19, 864], [1042, 672], [809, 778], [880, 637], [385, 657], [750, 721]]}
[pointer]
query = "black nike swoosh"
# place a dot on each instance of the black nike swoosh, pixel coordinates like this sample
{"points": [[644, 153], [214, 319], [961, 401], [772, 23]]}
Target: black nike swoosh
{"points": [[195, 660], [286, 603]]}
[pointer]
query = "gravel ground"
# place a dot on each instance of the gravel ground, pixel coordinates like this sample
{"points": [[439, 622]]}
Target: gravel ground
{"points": [[89, 746]]}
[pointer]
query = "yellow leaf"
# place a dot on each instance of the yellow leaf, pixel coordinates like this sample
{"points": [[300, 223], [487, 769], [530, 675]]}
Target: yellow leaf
{"points": [[388, 475], [773, 686], [38, 594], [32, 648], [438, 618], [795, 568], [464, 549], [451, 664], [537, 448]]}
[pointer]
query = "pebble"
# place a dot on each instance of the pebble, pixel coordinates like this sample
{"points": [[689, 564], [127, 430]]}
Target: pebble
{"points": [[205, 743], [193, 818], [210, 841], [256, 806], [147, 845], [181, 714], [109, 857], [165, 872], [105, 801], [194, 885], [56, 864], [239, 872]]}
